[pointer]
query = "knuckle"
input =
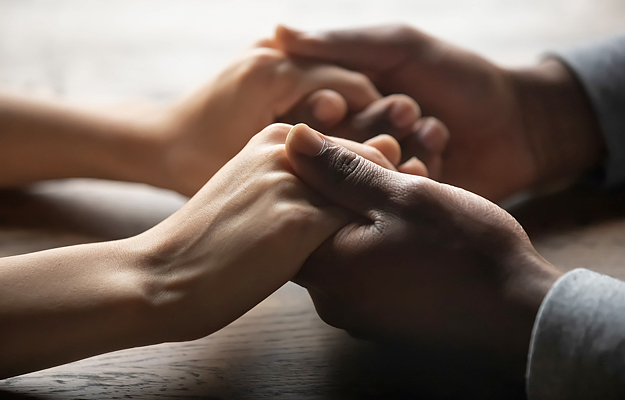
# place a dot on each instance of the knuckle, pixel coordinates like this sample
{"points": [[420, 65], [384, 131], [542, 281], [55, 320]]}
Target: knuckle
{"points": [[264, 58], [404, 31], [415, 192], [345, 164], [270, 141], [261, 64], [361, 80], [275, 133]]}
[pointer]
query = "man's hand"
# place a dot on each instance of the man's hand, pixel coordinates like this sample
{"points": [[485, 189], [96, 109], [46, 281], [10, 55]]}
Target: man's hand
{"points": [[424, 262], [509, 129]]}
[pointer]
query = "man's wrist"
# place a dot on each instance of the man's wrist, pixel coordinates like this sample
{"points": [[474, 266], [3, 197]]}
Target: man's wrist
{"points": [[559, 122]]}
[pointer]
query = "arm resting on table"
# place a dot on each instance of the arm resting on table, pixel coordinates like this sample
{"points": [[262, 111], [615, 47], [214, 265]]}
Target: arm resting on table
{"points": [[577, 349]]}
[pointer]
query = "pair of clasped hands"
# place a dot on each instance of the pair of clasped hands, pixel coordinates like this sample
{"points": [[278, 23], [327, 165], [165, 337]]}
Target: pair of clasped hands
{"points": [[384, 250]]}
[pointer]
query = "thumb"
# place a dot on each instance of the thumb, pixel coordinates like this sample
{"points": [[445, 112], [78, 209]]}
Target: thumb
{"points": [[339, 174]]}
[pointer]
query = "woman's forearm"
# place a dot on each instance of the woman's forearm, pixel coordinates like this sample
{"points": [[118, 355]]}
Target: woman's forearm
{"points": [[65, 304], [42, 140]]}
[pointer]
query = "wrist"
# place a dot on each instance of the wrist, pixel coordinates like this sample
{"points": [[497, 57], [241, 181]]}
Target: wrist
{"points": [[131, 148], [558, 120], [529, 277]]}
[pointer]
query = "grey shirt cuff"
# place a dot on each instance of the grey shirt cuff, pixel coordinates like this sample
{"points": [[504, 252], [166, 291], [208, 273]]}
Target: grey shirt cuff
{"points": [[600, 68], [577, 350]]}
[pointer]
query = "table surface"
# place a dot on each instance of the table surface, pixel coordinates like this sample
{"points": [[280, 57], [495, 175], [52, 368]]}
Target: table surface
{"points": [[280, 349]]}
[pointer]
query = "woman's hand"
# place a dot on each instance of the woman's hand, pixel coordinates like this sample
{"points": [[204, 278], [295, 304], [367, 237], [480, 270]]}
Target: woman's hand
{"points": [[245, 234], [181, 145], [241, 237], [203, 131]]}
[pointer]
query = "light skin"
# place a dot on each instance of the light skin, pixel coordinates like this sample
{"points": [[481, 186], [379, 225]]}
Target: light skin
{"points": [[510, 129], [179, 146], [426, 262], [241, 237]]}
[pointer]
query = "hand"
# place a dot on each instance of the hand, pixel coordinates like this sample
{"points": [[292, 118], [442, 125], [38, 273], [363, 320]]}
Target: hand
{"points": [[203, 131], [237, 240], [425, 262], [181, 146], [510, 130]]}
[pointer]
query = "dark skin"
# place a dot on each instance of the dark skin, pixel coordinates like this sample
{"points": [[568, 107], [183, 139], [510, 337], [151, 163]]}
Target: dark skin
{"points": [[509, 129], [424, 262]]}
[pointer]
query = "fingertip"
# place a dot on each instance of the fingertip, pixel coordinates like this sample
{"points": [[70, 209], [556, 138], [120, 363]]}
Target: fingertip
{"points": [[432, 134], [305, 141], [283, 33], [388, 146], [413, 166], [328, 107], [404, 111]]}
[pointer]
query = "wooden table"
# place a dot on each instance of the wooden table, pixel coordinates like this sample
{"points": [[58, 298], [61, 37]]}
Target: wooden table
{"points": [[118, 50]]}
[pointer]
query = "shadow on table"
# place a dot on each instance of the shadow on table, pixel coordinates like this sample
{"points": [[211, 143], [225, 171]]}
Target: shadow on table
{"points": [[58, 213], [16, 396], [395, 371], [569, 209]]}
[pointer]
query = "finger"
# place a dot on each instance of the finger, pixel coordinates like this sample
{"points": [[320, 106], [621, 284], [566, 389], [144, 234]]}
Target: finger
{"points": [[372, 49], [387, 145], [372, 153], [427, 142], [339, 174], [357, 90], [266, 42], [394, 115], [413, 166], [321, 110]]}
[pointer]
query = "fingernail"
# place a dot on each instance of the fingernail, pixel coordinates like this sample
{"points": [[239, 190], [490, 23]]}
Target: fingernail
{"points": [[305, 140], [402, 115]]}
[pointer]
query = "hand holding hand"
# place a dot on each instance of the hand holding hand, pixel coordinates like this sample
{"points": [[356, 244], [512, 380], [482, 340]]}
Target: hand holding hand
{"points": [[238, 239], [203, 131], [242, 236], [425, 262], [509, 129]]}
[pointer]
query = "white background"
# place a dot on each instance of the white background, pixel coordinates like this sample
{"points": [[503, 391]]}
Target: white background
{"points": [[107, 51]]}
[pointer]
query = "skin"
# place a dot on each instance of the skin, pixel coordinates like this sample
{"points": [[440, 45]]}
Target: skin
{"points": [[424, 262], [181, 145], [241, 237], [509, 129]]}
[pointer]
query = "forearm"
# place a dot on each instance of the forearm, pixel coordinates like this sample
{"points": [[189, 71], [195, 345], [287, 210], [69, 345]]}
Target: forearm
{"points": [[65, 304], [41, 140]]}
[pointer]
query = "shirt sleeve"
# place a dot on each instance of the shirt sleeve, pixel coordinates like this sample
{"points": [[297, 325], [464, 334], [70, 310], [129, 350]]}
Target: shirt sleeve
{"points": [[600, 68], [577, 349]]}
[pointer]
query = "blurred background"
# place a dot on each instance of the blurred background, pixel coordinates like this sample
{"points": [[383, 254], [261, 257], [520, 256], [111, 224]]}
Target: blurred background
{"points": [[107, 51]]}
